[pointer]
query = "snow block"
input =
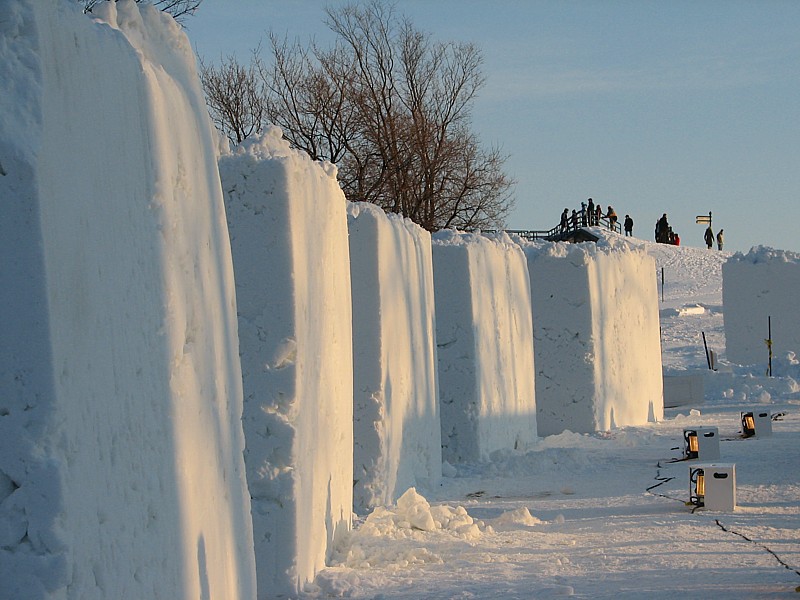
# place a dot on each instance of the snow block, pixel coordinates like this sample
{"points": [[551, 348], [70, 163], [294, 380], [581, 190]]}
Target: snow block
{"points": [[288, 227], [596, 337], [485, 345], [121, 468], [759, 287], [396, 405]]}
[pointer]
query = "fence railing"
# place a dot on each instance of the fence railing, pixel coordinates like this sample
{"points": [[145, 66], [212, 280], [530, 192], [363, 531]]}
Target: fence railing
{"points": [[559, 233]]}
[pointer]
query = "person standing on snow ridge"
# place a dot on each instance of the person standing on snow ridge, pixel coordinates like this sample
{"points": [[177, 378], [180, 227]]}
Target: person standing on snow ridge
{"points": [[583, 214], [719, 240], [564, 218], [709, 237], [612, 218], [628, 225], [662, 226], [590, 211], [598, 212]]}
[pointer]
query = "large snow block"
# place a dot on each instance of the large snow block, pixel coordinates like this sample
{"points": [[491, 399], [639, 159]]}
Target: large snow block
{"points": [[121, 467], [759, 288], [485, 345], [596, 337], [397, 435], [288, 228]]}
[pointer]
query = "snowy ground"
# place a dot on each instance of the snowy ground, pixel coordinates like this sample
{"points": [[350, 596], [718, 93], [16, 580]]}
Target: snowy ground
{"points": [[604, 516]]}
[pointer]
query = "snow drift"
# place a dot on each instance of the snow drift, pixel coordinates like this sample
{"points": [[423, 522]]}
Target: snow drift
{"points": [[288, 229], [396, 407], [596, 336], [121, 470], [759, 287], [485, 345]]}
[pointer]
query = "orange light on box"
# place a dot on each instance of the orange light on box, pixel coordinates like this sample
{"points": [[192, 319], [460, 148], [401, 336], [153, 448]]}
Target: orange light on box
{"points": [[748, 425], [692, 446], [697, 487], [712, 486]]}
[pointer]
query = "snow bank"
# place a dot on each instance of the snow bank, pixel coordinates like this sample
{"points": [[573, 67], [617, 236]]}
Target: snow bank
{"points": [[406, 524], [485, 345], [596, 336], [121, 470], [758, 285], [288, 230], [396, 409]]}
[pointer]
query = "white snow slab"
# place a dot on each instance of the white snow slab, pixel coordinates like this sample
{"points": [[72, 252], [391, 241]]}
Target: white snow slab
{"points": [[121, 469], [684, 390], [485, 345], [397, 434], [758, 287], [596, 332], [288, 230]]}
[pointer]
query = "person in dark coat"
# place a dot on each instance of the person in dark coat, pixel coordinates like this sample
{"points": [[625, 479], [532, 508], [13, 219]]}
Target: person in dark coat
{"points": [[590, 212], [598, 212], [564, 220], [709, 237], [662, 227], [628, 225]]}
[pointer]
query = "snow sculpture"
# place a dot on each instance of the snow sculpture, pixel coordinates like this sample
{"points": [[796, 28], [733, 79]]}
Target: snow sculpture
{"points": [[759, 288], [485, 345], [121, 469], [288, 229], [596, 337], [396, 419]]}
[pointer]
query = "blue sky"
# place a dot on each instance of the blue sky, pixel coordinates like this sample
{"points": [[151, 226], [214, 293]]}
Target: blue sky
{"points": [[676, 106]]}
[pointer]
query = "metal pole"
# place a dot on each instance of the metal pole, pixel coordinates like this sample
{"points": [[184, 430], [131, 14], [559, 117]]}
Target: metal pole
{"points": [[769, 343], [708, 358], [662, 284]]}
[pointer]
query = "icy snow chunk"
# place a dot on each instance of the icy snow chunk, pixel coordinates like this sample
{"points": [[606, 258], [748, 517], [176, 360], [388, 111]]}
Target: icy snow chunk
{"points": [[514, 518]]}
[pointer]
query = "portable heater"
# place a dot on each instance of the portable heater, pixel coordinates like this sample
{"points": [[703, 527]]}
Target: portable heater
{"points": [[756, 423], [701, 442], [713, 486]]}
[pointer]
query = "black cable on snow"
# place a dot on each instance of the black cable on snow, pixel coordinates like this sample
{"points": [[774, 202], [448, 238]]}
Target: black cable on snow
{"points": [[752, 541]]}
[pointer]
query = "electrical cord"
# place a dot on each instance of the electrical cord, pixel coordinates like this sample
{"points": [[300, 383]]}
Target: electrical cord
{"points": [[752, 541]]}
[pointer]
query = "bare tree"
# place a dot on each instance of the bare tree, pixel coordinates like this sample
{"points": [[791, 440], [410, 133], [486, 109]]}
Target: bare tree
{"points": [[177, 8], [235, 96], [392, 108]]}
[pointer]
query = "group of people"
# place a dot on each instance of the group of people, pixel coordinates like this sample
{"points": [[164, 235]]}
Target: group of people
{"points": [[665, 235], [590, 216]]}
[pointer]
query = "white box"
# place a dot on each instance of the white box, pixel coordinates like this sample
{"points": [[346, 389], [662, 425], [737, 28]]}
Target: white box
{"points": [[757, 423], [707, 443], [719, 483]]}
